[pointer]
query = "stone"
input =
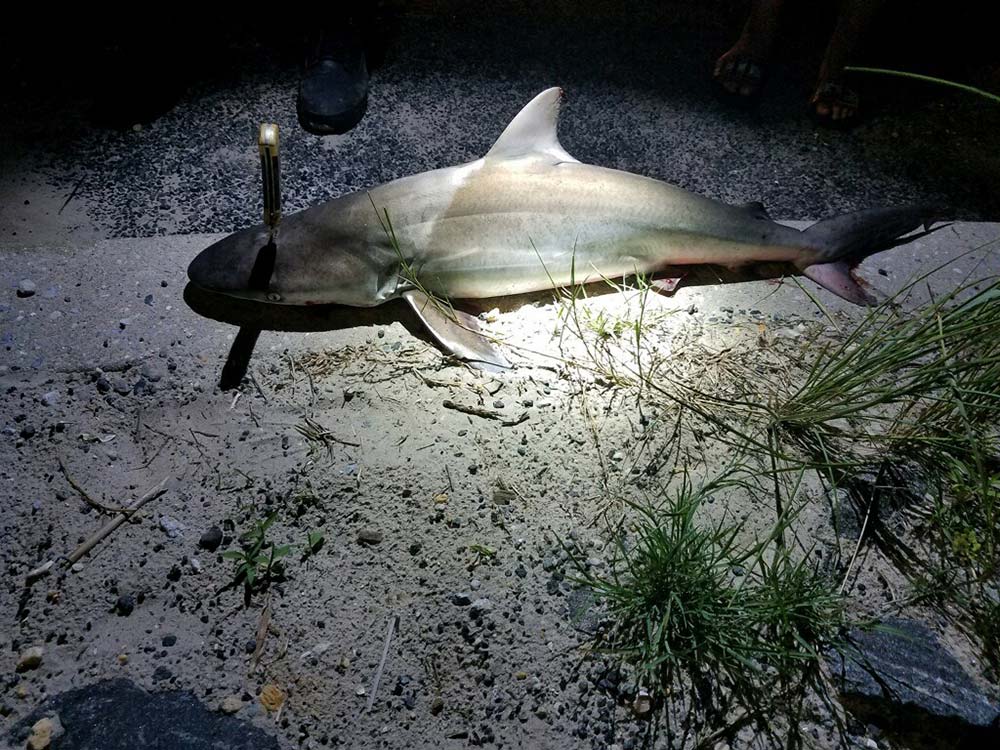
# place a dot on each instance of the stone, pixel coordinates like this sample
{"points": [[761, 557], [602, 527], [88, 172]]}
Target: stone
{"points": [[461, 599], [44, 731], [369, 535], [51, 398], [30, 658], [904, 671], [211, 539], [26, 288], [582, 610], [231, 704], [169, 640], [481, 607], [119, 715], [124, 605], [643, 704], [171, 527]]}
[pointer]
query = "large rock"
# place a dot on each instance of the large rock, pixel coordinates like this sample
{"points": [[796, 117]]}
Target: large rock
{"points": [[118, 715], [902, 673]]}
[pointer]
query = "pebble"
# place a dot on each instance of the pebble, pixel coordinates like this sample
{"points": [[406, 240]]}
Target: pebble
{"points": [[169, 640], [30, 658], [51, 398], [195, 564], [211, 539], [26, 288], [481, 606], [28, 431], [44, 731], [231, 704], [171, 527], [461, 599], [643, 704], [369, 535], [161, 674], [124, 605]]}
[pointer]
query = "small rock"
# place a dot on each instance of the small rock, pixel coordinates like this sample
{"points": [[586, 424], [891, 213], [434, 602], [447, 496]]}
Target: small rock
{"points": [[30, 658], [231, 704], [124, 605], [360, 692], [461, 599], [26, 288], [415, 548], [482, 606], [503, 496], [169, 640], [271, 697], [211, 539], [51, 398], [369, 535], [195, 564], [437, 705], [44, 731], [171, 527], [28, 432], [643, 704]]}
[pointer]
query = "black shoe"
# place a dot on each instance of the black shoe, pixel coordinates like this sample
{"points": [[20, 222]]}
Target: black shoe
{"points": [[333, 93]]}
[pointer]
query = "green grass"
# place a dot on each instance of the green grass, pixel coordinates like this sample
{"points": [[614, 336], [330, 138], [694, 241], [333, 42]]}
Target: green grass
{"points": [[900, 409], [731, 631]]}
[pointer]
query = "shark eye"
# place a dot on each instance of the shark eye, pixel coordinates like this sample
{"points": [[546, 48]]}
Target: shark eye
{"points": [[273, 297]]}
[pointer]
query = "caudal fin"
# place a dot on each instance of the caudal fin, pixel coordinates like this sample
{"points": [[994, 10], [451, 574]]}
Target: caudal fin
{"points": [[844, 241]]}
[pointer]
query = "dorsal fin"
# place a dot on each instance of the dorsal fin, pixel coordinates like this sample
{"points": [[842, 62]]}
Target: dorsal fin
{"points": [[756, 209], [533, 131]]}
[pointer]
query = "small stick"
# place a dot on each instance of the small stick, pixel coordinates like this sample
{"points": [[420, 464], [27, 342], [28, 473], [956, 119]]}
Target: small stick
{"points": [[262, 627], [393, 624], [124, 515], [40, 572], [83, 493]]}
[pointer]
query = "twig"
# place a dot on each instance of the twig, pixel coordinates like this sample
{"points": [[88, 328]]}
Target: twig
{"points": [[86, 497], [393, 624], [40, 572], [76, 189], [478, 411], [265, 621], [124, 515]]}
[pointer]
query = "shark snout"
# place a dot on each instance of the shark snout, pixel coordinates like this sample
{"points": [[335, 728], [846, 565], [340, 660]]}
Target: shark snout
{"points": [[242, 263]]}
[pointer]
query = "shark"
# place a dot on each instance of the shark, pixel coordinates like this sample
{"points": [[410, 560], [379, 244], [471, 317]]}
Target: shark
{"points": [[525, 217]]}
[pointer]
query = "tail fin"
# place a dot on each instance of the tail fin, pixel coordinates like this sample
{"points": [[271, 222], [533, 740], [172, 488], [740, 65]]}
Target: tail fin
{"points": [[844, 241]]}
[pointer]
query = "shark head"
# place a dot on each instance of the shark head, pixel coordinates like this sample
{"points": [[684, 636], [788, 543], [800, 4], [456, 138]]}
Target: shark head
{"points": [[309, 260], [240, 265]]}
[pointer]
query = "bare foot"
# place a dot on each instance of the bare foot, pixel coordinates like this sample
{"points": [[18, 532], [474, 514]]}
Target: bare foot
{"points": [[740, 71], [836, 104]]}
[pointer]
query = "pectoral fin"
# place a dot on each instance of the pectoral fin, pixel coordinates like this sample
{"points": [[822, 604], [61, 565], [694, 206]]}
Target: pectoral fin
{"points": [[457, 332]]}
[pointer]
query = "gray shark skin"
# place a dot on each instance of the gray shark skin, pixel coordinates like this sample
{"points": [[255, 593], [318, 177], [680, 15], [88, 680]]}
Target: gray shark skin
{"points": [[525, 217]]}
